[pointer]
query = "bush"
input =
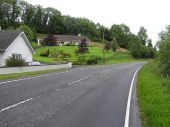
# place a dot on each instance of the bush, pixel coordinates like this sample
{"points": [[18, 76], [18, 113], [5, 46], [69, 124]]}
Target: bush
{"points": [[50, 40], [82, 48], [13, 62], [141, 51], [114, 45], [81, 59], [164, 57], [94, 60], [45, 53], [108, 46], [62, 56]]}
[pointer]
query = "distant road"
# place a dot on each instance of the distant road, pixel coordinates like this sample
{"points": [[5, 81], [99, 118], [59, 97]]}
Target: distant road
{"points": [[94, 96]]}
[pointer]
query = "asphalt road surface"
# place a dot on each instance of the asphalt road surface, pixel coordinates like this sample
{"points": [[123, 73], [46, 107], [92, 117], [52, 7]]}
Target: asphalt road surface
{"points": [[94, 96]]}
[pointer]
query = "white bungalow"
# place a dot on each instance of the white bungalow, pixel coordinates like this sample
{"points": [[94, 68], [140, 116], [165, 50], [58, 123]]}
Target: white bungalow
{"points": [[14, 43]]}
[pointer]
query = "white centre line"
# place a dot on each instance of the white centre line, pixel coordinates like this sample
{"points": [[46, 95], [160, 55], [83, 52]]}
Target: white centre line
{"points": [[77, 81], [129, 100], [12, 106], [39, 76], [27, 100]]}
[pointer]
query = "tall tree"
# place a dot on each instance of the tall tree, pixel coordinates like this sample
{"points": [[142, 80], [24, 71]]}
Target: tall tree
{"points": [[150, 43], [121, 33], [142, 34]]}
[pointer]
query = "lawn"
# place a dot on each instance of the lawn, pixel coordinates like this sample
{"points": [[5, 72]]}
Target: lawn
{"points": [[154, 97], [93, 50]]}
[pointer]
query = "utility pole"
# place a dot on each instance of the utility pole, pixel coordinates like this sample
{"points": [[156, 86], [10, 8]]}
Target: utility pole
{"points": [[103, 47]]}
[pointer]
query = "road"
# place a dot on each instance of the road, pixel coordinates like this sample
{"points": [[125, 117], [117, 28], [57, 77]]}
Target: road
{"points": [[94, 96]]}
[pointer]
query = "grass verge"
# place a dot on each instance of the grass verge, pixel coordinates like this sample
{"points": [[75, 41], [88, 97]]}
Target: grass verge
{"points": [[154, 97], [15, 75]]}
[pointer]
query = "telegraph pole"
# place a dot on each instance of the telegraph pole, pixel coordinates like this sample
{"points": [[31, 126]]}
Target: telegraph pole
{"points": [[103, 47]]}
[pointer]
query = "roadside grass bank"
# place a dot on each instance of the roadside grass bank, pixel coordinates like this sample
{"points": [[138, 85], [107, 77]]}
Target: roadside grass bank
{"points": [[16, 75], [154, 96]]}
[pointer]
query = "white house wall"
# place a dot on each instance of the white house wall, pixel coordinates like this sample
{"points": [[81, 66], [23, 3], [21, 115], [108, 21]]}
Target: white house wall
{"points": [[1, 56], [19, 46]]}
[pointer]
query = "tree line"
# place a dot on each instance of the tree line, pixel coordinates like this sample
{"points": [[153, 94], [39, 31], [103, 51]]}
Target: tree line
{"points": [[15, 13]]}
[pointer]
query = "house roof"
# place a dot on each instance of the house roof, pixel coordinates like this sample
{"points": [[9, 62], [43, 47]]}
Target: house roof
{"points": [[7, 37], [70, 38]]}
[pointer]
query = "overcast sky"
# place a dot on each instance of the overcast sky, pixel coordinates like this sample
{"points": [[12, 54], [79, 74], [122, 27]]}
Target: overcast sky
{"points": [[152, 14]]}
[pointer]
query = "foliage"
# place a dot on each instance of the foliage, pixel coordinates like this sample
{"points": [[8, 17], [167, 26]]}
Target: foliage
{"points": [[50, 40], [108, 46], [150, 43], [45, 53], [142, 34], [164, 57], [81, 59], [153, 93], [14, 62], [83, 47], [121, 33], [114, 44], [62, 56], [93, 60], [57, 55], [28, 32], [135, 50], [140, 51]]}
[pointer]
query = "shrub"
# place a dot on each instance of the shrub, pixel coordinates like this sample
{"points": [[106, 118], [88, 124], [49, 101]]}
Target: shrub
{"points": [[82, 48], [135, 50], [141, 51], [45, 53], [81, 59], [114, 45], [164, 57], [108, 46], [50, 40], [94, 60], [14, 62]]}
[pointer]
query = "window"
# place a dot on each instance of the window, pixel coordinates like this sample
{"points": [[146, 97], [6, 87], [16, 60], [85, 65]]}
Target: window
{"points": [[17, 56]]}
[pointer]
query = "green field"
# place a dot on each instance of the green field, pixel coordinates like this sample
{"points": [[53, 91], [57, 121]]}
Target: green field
{"points": [[154, 97], [95, 49]]}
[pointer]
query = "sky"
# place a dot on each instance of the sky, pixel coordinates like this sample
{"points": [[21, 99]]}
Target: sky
{"points": [[152, 14]]}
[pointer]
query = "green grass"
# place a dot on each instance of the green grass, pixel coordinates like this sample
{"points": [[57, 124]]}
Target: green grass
{"points": [[15, 75], [93, 50], [154, 97], [34, 44]]}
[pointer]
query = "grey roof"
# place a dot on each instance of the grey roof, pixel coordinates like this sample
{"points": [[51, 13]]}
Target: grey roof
{"points": [[7, 37], [70, 38]]}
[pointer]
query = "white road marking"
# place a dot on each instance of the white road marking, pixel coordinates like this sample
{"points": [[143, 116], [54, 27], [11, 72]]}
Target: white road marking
{"points": [[57, 90], [77, 81], [12, 106], [27, 100], [39, 76], [129, 100]]}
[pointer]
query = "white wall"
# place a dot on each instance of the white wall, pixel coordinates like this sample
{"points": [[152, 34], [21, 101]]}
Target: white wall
{"points": [[1, 55], [11, 70], [19, 46]]}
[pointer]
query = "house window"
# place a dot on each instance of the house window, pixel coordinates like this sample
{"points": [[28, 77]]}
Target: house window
{"points": [[17, 56]]}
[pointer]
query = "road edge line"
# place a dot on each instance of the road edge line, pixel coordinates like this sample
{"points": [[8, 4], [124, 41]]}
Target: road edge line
{"points": [[129, 99]]}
